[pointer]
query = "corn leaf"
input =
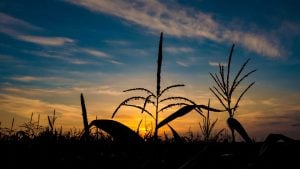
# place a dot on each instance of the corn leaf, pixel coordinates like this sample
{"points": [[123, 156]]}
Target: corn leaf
{"points": [[119, 132], [236, 125]]}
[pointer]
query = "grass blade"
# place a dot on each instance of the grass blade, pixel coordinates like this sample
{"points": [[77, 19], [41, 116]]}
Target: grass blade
{"points": [[176, 136]]}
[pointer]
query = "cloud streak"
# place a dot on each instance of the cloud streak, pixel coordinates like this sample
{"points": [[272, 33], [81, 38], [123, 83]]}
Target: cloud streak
{"points": [[183, 22], [47, 41], [11, 26], [96, 53], [176, 50], [18, 29], [216, 63]]}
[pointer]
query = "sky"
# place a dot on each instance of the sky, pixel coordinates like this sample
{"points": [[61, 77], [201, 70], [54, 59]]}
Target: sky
{"points": [[53, 50]]}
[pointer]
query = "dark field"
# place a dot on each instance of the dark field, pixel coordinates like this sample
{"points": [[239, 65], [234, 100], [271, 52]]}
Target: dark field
{"points": [[97, 154]]}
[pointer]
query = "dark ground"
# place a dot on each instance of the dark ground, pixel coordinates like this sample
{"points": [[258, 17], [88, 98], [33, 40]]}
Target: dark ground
{"points": [[148, 156]]}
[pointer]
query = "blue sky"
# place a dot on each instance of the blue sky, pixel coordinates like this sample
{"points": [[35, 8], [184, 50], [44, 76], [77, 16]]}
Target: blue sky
{"points": [[51, 51]]}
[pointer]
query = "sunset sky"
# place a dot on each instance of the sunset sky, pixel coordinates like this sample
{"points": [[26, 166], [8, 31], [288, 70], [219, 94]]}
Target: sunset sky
{"points": [[53, 50]]}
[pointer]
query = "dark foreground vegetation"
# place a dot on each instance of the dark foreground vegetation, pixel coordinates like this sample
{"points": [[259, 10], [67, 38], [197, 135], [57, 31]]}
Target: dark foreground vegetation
{"points": [[56, 151], [106, 143]]}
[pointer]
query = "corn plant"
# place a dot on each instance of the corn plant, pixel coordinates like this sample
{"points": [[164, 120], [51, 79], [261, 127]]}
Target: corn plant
{"points": [[224, 89], [155, 99]]}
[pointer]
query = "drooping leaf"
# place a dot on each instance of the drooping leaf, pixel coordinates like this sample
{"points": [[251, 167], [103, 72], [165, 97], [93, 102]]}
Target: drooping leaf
{"points": [[181, 112], [119, 132], [237, 126]]}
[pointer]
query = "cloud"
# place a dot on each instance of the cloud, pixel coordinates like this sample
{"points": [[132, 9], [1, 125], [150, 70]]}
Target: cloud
{"points": [[96, 53], [18, 29], [7, 58], [65, 55], [216, 63], [183, 22], [13, 26], [40, 79], [106, 90], [116, 62], [36, 91], [117, 42], [24, 106], [25, 78], [48, 41], [101, 54], [176, 50], [183, 64]]}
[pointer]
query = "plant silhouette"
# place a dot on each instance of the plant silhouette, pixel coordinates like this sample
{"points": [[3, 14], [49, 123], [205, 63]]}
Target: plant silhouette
{"points": [[207, 127], [224, 93], [155, 99]]}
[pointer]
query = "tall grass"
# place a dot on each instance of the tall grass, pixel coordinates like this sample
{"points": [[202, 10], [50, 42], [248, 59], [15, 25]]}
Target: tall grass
{"points": [[207, 127], [224, 89]]}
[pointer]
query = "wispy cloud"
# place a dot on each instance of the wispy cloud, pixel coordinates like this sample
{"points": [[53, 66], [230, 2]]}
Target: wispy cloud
{"points": [[176, 50], [7, 58], [64, 55], [101, 54], [19, 29], [103, 90], [117, 42], [43, 79], [48, 41], [116, 62], [13, 26], [183, 64], [187, 61], [21, 91], [96, 53], [211, 63], [183, 22]]}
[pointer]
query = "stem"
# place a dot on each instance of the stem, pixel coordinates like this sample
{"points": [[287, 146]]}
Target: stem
{"points": [[156, 120], [232, 134], [159, 63]]}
